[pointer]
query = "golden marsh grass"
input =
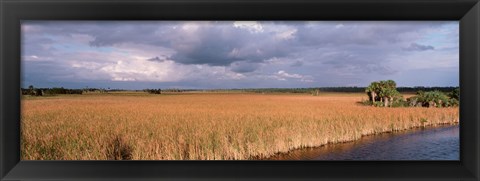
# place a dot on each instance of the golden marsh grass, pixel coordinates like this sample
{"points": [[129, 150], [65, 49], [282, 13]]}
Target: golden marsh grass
{"points": [[203, 126]]}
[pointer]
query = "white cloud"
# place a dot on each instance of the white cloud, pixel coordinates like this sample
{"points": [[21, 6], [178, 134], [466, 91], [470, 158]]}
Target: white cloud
{"points": [[288, 34], [137, 68], [252, 26], [282, 73], [31, 58], [283, 76]]}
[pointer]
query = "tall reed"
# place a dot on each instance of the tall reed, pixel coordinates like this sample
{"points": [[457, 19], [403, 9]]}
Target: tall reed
{"points": [[204, 126]]}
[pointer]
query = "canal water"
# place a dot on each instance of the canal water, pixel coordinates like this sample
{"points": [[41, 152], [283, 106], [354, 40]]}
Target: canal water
{"points": [[431, 143]]}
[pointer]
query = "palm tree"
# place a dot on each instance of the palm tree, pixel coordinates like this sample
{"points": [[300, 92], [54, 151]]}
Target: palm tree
{"points": [[372, 91], [31, 90], [383, 91]]}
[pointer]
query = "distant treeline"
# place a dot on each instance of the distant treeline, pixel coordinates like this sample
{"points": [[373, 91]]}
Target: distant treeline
{"points": [[159, 91], [313, 90], [49, 91], [32, 91], [426, 89], [153, 91], [332, 89]]}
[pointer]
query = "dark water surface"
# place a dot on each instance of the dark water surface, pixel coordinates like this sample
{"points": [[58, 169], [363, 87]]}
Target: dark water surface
{"points": [[431, 143]]}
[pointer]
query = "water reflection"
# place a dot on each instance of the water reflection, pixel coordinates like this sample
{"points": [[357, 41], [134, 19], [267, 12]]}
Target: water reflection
{"points": [[437, 143]]}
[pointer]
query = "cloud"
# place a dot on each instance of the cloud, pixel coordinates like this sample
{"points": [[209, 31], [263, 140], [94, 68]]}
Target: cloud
{"points": [[156, 59], [363, 33], [234, 54], [283, 76], [211, 43], [244, 67], [297, 63], [221, 44], [418, 47], [252, 26]]}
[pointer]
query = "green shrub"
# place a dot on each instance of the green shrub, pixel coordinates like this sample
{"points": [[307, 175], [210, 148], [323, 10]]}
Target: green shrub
{"points": [[400, 102], [455, 94], [432, 99], [378, 104]]}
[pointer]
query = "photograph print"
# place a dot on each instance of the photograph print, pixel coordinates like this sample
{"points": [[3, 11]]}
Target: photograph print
{"points": [[240, 90]]}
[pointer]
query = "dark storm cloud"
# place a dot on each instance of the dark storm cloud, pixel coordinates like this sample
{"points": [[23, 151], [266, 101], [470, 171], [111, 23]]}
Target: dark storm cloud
{"points": [[156, 59], [222, 44], [211, 43], [418, 47]]}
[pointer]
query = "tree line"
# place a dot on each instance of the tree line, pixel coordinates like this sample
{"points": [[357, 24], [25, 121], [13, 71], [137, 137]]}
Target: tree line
{"points": [[33, 91], [159, 91], [423, 93], [317, 90], [385, 94]]}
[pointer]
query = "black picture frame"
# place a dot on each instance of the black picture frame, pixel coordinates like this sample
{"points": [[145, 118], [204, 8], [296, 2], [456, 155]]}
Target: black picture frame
{"points": [[467, 12]]}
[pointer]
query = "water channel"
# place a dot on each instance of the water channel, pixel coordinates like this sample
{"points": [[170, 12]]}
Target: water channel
{"points": [[431, 143]]}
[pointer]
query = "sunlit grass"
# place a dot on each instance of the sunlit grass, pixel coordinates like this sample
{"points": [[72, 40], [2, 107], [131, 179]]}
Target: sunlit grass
{"points": [[201, 126]]}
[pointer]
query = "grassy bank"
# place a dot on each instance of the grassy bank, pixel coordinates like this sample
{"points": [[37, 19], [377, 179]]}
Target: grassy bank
{"points": [[204, 126]]}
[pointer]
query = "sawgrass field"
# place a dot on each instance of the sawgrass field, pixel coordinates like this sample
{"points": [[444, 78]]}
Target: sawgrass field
{"points": [[204, 126]]}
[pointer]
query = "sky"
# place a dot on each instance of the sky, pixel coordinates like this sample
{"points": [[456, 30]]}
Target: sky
{"points": [[238, 54]]}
